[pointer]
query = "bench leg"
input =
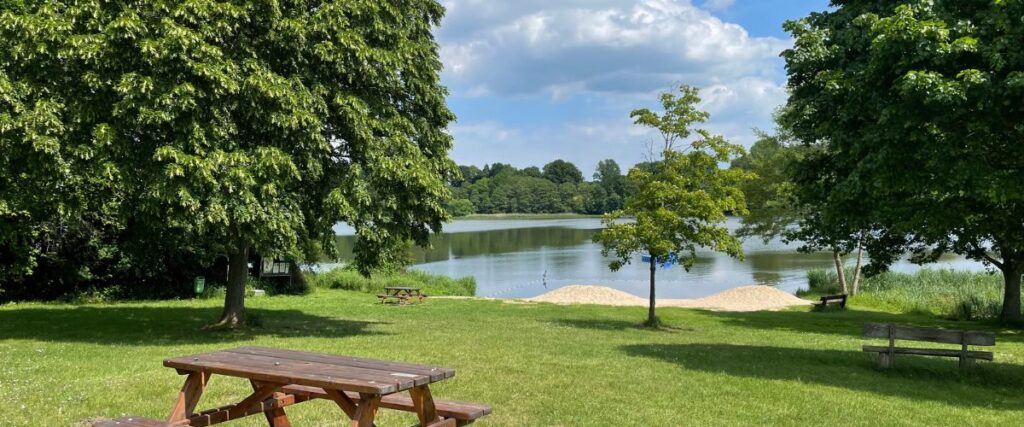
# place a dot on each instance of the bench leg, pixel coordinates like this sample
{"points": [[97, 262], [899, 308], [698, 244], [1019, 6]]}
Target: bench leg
{"points": [[423, 402], [275, 417], [189, 396], [966, 363], [884, 360], [366, 411]]}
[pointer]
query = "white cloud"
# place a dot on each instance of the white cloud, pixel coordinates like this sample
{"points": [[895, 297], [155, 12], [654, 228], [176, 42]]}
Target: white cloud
{"points": [[531, 47], [718, 5], [601, 58]]}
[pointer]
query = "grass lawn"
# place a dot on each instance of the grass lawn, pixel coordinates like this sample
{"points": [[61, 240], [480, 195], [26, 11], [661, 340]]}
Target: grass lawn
{"points": [[538, 365]]}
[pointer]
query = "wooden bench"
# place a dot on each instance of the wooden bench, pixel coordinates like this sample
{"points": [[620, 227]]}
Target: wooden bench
{"points": [[462, 412], [831, 299], [133, 421], [946, 336]]}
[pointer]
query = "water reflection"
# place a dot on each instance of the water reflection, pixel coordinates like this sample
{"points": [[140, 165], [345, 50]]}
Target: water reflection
{"points": [[515, 259]]}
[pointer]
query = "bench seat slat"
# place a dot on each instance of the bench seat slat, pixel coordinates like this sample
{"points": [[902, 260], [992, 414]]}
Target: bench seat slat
{"points": [[929, 352], [465, 411], [946, 336]]}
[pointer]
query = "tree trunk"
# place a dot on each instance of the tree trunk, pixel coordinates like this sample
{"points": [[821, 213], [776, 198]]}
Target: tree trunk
{"points": [[840, 272], [651, 320], [856, 269], [234, 299], [1011, 290], [299, 283]]}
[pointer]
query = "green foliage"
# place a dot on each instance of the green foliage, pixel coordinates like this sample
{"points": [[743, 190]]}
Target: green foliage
{"points": [[501, 188], [461, 207], [958, 295], [224, 126], [913, 112], [561, 172], [771, 199], [681, 205], [348, 279], [680, 201]]}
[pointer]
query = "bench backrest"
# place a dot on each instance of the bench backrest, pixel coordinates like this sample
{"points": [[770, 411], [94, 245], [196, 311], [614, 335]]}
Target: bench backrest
{"points": [[833, 297], [948, 336]]}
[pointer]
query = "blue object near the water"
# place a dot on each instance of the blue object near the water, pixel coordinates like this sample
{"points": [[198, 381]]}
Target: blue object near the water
{"points": [[668, 262]]}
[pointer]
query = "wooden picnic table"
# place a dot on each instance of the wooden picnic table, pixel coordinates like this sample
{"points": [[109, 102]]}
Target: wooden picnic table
{"points": [[401, 294], [356, 385]]}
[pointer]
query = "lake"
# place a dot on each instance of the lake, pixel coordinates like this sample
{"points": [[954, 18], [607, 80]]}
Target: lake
{"points": [[525, 258]]}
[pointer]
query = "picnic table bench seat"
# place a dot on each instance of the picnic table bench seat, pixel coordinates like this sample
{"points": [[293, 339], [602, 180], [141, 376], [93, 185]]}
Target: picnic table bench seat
{"points": [[463, 412], [133, 421], [944, 336]]}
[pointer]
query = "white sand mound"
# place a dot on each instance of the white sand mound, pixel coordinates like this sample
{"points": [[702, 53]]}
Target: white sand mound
{"points": [[583, 294], [746, 298]]}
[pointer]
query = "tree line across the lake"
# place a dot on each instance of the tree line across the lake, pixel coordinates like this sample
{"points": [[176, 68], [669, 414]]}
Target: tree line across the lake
{"points": [[558, 187]]}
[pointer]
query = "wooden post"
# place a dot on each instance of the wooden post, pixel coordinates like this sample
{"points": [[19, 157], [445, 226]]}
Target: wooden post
{"points": [[367, 410], [275, 417], [423, 402], [189, 395], [965, 361], [890, 359]]}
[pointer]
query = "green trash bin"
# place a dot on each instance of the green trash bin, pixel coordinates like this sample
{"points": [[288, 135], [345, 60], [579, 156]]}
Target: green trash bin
{"points": [[200, 284]]}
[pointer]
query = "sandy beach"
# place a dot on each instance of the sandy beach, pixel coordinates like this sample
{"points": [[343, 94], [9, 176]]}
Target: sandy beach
{"points": [[746, 298]]}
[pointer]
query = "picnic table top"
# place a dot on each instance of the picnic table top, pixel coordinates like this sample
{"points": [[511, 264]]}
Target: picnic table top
{"points": [[312, 369], [400, 288]]}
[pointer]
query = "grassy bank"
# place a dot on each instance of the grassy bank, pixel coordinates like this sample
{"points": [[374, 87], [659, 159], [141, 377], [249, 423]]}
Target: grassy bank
{"points": [[960, 295], [537, 364], [526, 216], [431, 284]]}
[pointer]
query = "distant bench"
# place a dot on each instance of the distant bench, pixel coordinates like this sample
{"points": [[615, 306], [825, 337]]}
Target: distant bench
{"points": [[831, 299], [945, 336]]}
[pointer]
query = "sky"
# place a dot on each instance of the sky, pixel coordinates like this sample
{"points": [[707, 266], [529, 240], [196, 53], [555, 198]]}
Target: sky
{"points": [[532, 81]]}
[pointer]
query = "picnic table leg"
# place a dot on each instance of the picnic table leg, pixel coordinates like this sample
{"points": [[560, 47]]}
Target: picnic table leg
{"points": [[275, 417], [367, 410], [189, 395], [423, 402]]}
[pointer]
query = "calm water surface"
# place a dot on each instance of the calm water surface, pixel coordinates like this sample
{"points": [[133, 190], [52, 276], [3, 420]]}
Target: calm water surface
{"points": [[525, 258]]}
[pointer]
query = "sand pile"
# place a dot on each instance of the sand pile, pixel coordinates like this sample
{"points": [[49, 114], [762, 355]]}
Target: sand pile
{"points": [[747, 298]]}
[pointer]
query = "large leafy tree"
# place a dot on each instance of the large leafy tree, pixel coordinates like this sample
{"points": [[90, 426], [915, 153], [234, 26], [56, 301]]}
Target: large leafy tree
{"points": [[918, 107], [783, 205], [681, 201], [561, 172], [245, 126]]}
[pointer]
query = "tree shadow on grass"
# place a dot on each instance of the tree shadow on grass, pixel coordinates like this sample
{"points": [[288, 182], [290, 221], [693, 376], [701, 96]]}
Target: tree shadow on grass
{"points": [[165, 325], [992, 385], [850, 322]]}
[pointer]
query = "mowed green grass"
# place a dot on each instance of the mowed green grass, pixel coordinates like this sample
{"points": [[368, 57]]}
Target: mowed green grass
{"points": [[536, 364]]}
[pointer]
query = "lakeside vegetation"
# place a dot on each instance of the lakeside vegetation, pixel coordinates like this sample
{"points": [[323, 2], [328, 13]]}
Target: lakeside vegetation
{"points": [[529, 361], [958, 295], [430, 284]]}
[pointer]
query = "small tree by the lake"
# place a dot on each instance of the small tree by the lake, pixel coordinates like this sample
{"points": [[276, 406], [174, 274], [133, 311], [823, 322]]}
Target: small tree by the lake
{"points": [[682, 198]]}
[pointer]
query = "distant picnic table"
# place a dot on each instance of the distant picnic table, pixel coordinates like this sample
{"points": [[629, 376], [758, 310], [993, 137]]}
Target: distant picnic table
{"points": [[280, 378], [401, 295]]}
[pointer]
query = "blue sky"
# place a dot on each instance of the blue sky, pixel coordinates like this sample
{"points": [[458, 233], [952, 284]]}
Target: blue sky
{"points": [[536, 80]]}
